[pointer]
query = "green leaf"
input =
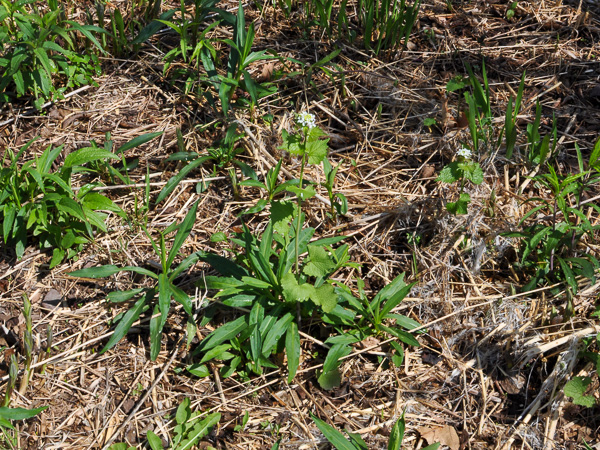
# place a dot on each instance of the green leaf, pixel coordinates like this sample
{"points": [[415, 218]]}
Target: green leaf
{"points": [[123, 296], [186, 263], [275, 333], [5, 423], [43, 58], [221, 334], [291, 143], [173, 182], [292, 346], [154, 441], [403, 321], [85, 30], [450, 174], [398, 356], [200, 430], [334, 355], [357, 441], [576, 388], [96, 201], [320, 262], [159, 315], [282, 212], [199, 370], [71, 207], [395, 299], [336, 438], [302, 193], [330, 377], [184, 412], [325, 296], [397, 434], [316, 150], [138, 141], [10, 212], [390, 291], [294, 292], [153, 27], [405, 337], [108, 270], [20, 413], [58, 254], [183, 232], [215, 352], [182, 298], [253, 282], [477, 175], [568, 273], [86, 155], [460, 206], [121, 446], [454, 84], [126, 321]]}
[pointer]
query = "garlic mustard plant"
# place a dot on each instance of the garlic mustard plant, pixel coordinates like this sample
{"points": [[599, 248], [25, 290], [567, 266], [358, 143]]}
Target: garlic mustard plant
{"points": [[464, 153], [307, 120], [463, 169]]}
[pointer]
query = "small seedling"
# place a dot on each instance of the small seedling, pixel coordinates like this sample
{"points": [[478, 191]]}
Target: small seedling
{"points": [[189, 429], [463, 169]]}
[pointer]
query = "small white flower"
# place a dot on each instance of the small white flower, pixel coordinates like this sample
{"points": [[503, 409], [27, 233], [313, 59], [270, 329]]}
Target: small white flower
{"points": [[307, 120], [465, 153]]}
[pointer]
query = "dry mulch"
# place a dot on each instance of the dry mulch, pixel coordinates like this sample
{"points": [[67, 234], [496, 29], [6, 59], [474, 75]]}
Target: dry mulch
{"points": [[488, 372]]}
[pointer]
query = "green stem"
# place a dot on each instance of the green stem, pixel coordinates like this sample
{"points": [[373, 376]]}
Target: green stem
{"points": [[297, 243]]}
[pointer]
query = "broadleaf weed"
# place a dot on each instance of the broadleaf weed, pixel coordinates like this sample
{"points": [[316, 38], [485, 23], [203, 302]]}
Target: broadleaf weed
{"points": [[40, 204]]}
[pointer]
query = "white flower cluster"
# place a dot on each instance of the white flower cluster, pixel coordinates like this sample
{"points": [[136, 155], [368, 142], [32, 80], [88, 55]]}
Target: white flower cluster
{"points": [[465, 153], [307, 120]]}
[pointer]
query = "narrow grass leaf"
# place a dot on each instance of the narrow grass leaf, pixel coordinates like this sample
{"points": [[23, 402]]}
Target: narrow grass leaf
{"points": [[182, 298], [403, 321], [395, 299], [200, 430], [568, 273], [357, 441], [292, 347], [155, 333], [125, 323], [123, 296], [182, 233], [20, 413], [86, 155], [139, 140], [153, 27], [335, 437], [174, 181], [405, 337], [86, 31]]}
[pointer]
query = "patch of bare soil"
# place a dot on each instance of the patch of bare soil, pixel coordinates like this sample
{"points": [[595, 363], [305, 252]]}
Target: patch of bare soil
{"points": [[490, 371]]}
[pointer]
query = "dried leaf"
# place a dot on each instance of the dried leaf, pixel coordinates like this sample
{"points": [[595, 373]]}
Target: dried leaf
{"points": [[267, 72], [461, 120], [446, 435]]}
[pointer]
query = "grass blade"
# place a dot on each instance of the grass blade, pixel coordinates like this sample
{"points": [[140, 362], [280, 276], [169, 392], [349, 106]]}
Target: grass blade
{"points": [[336, 438], [125, 323]]}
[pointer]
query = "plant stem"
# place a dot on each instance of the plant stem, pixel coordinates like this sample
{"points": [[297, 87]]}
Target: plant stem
{"points": [[297, 243]]}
